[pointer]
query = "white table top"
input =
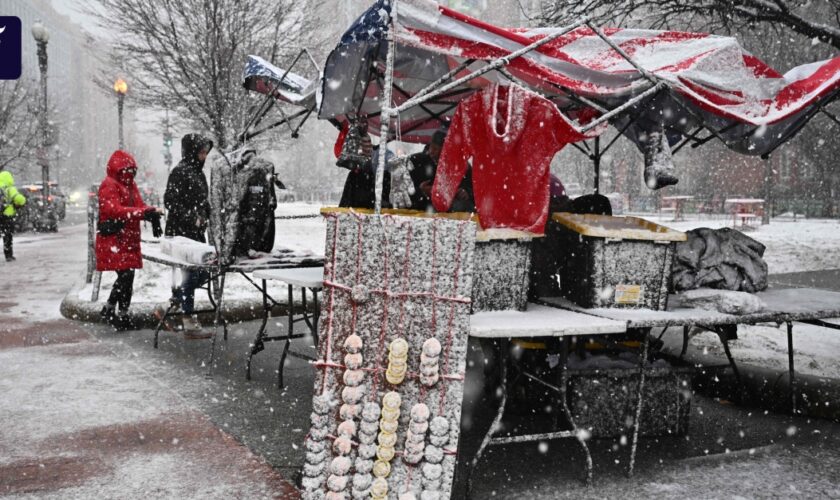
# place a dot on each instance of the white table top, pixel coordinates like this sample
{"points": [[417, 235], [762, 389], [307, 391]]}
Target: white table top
{"points": [[310, 277], [783, 304], [153, 253], [541, 321]]}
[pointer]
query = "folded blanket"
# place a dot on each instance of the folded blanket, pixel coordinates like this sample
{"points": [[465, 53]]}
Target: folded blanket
{"points": [[725, 301], [187, 250], [723, 259]]}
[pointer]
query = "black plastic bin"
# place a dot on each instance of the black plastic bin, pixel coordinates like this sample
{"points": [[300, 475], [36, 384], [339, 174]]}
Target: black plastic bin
{"points": [[609, 261]]}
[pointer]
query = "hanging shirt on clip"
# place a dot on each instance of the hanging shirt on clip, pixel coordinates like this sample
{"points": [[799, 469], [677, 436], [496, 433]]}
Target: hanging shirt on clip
{"points": [[511, 134]]}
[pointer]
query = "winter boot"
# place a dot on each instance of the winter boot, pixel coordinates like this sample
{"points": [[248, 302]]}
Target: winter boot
{"points": [[108, 314], [192, 329], [659, 166], [10, 258]]}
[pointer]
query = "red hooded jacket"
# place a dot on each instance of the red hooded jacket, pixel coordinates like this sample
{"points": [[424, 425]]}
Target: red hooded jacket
{"points": [[119, 199]]}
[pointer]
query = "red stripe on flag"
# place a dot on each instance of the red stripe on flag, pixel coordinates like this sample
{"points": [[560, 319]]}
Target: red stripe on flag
{"points": [[759, 68]]}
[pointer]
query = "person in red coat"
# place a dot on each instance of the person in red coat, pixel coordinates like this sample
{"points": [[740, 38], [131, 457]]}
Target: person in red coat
{"points": [[121, 209]]}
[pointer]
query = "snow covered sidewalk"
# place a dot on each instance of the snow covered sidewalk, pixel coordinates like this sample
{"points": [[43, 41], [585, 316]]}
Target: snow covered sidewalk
{"points": [[80, 421]]}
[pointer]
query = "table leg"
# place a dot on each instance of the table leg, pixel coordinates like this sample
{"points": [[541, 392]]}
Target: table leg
{"points": [[790, 368], [216, 321], [731, 359], [564, 402], [288, 343], [504, 358], [686, 331], [258, 344], [639, 401], [161, 322], [316, 316]]}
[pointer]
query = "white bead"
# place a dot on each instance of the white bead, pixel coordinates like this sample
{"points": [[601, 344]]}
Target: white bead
{"points": [[353, 344]]}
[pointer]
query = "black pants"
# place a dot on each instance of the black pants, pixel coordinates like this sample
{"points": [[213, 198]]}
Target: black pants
{"points": [[7, 227], [123, 290]]}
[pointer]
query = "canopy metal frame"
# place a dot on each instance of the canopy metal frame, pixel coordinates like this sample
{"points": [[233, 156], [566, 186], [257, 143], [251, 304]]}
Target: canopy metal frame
{"points": [[270, 101], [445, 83]]}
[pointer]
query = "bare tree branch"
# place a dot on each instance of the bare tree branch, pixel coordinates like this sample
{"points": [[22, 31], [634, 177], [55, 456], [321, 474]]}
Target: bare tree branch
{"points": [[799, 17], [18, 120], [188, 55]]}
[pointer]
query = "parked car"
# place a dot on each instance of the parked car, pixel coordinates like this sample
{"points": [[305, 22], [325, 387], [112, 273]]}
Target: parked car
{"points": [[57, 197], [40, 214]]}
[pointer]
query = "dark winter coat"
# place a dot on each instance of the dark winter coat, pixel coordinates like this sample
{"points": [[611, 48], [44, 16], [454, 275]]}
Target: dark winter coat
{"points": [[186, 192], [359, 188], [120, 200], [423, 169]]}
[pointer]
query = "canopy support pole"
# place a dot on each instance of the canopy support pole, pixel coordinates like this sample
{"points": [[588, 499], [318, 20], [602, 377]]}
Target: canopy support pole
{"points": [[596, 161], [386, 110], [768, 191], [428, 94]]}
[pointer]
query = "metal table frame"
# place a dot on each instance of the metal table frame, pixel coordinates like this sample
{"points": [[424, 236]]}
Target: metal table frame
{"points": [[558, 341], [560, 388], [309, 318], [218, 274], [210, 284], [725, 325]]}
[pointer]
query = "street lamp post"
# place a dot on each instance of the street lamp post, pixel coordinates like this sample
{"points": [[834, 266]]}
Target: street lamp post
{"points": [[42, 35], [120, 87]]}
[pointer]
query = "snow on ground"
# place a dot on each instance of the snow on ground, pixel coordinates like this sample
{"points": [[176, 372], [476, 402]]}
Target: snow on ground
{"points": [[79, 421], [817, 350], [792, 246], [38, 256]]}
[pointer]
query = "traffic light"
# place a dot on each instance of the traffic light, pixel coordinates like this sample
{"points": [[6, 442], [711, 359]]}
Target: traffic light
{"points": [[167, 139]]}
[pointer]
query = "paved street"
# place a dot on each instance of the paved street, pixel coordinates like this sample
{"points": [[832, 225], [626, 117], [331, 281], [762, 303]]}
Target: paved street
{"points": [[90, 413]]}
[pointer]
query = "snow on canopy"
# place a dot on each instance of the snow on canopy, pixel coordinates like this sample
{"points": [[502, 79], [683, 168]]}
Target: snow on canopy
{"points": [[709, 80], [263, 77]]}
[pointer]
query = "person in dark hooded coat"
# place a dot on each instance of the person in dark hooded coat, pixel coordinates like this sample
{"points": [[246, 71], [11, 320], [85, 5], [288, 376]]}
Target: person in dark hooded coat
{"points": [[188, 206], [186, 197]]}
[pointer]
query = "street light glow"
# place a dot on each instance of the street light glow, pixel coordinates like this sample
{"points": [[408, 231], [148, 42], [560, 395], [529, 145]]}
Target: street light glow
{"points": [[120, 87], [40, 32]]}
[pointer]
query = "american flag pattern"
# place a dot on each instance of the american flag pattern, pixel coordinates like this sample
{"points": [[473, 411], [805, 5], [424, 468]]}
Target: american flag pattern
{"points": [[709, 80]]}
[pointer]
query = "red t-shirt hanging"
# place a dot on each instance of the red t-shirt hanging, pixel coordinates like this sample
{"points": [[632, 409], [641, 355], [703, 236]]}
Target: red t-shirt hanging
{"points": [[511, 134]]}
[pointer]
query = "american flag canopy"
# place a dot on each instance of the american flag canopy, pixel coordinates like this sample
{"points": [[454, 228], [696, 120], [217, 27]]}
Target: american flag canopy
{"points": [[709, 81]]}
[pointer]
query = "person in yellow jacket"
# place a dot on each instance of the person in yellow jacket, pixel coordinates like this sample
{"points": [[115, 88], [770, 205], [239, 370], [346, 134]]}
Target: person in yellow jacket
{"points": [[10, 201]]}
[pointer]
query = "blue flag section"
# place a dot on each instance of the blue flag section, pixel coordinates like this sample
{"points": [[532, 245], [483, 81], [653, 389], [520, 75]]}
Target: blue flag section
{"points": [[10, 48]]}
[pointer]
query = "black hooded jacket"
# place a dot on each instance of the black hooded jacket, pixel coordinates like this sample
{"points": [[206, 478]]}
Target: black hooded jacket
{"points": [[186, 197]]}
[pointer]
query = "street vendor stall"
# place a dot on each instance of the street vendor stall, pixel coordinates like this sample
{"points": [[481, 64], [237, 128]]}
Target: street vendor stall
{"points": [[399, 287]]}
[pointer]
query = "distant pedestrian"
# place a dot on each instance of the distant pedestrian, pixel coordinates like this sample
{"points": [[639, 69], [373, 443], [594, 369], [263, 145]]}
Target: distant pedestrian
{"points": [[188, 206], [121, 209], [10, 201]]}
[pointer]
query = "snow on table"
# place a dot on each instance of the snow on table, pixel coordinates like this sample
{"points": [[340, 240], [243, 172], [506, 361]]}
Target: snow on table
{"points": [[540, 321], [786, 304], [309, 277]]}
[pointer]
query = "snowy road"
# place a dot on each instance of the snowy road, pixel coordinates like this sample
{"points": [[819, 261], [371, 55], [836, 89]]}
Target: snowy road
{"points": [[88, 413]]}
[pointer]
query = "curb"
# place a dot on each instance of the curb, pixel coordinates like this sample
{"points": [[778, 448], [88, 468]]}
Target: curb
{"points": [[142, 313]]}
